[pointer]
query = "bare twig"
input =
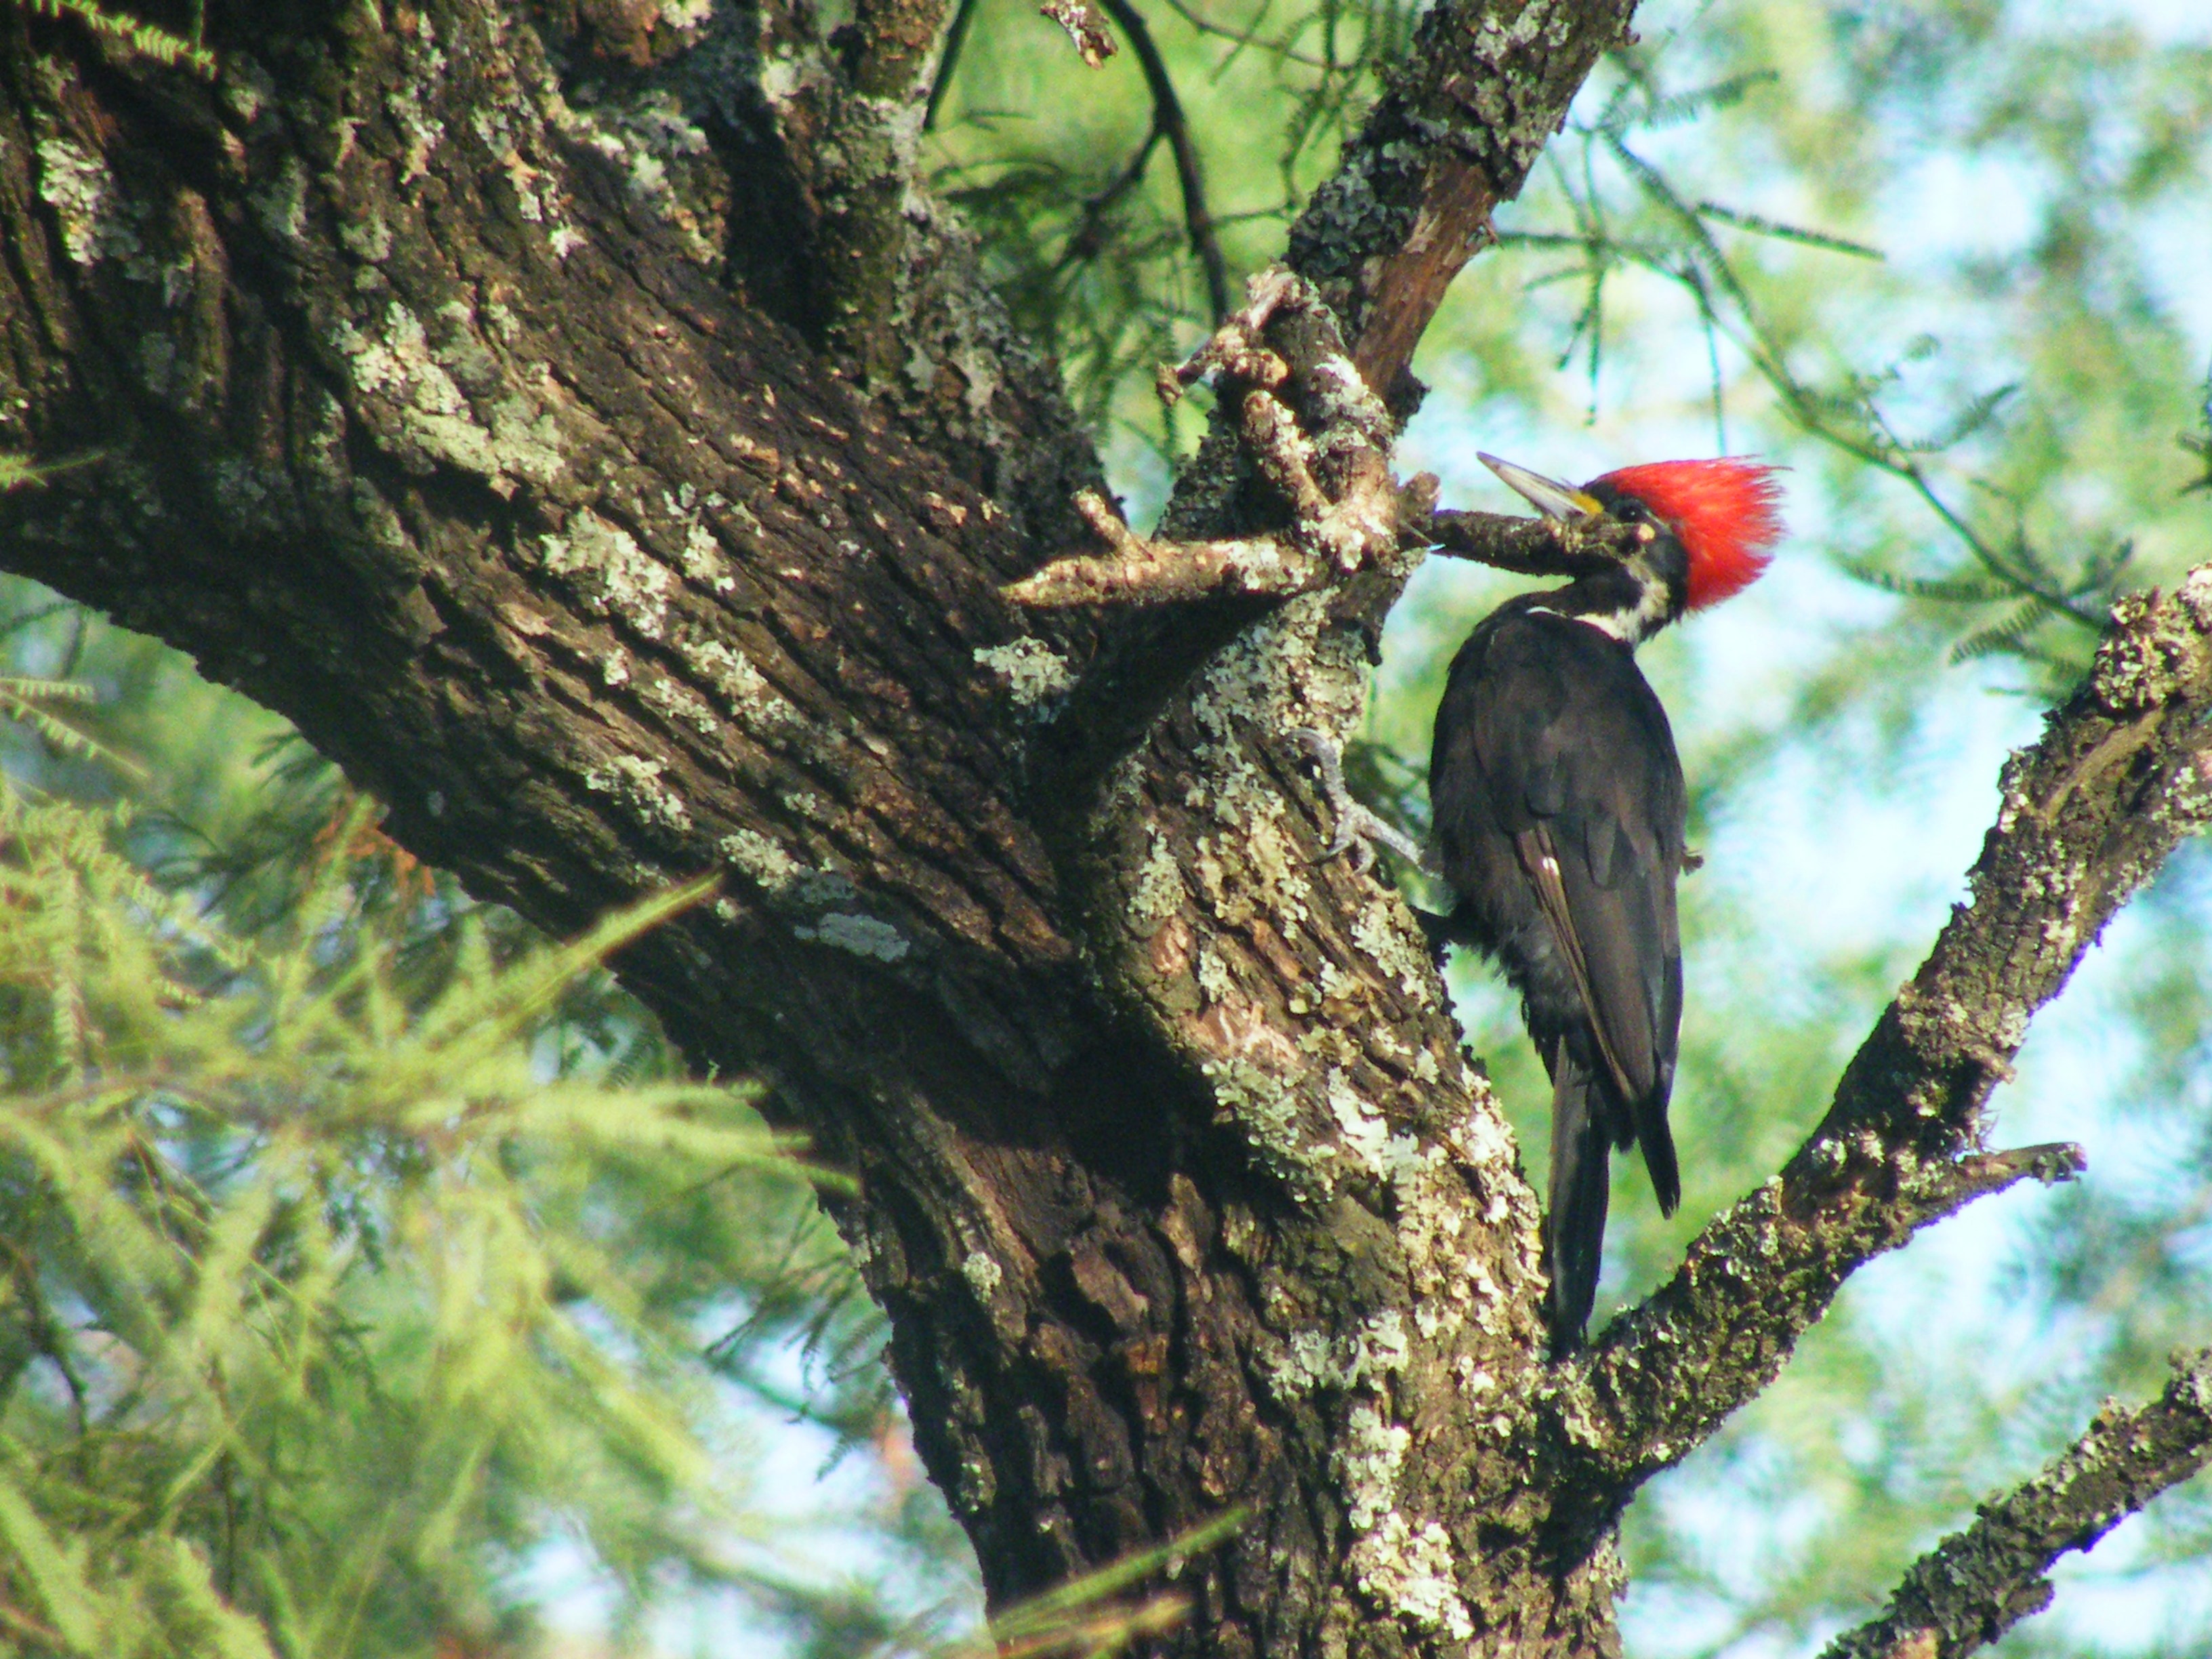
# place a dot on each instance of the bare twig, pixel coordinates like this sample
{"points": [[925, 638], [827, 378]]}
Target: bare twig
{"points": [[1137, 571], [1979, 1583], [948, 60], [1168, 122], [1089, 233], [1281, 47], [2122, 774]]}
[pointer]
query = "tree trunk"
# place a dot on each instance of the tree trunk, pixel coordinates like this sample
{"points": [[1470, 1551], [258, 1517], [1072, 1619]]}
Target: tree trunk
{"points": [[620, 494]]}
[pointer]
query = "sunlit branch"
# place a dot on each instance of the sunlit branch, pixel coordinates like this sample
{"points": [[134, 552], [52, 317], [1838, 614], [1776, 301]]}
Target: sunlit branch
{"points": [[1312, 428], [1137, 570], [1979, 1583]]}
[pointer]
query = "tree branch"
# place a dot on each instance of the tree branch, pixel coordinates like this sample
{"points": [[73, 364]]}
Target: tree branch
{"points": [[1977, 1584], [1168, 122], [1479, 97], [2122, 774], [1532, 547], [1315, 432], [1137, 570], [1094, 41]]}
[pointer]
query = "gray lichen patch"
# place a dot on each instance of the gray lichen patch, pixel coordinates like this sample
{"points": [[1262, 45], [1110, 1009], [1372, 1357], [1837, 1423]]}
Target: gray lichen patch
{"points": [[1405, 1564], [653, 142], [701, 553], [984, 1274], [1311, 1360], [1410, 1571], [1386, 933], [1157, 892], [1263, 1101], [679, 705], [819, 901], [755, 705], [1035, 673], [790, 884], [603, 565], [864, 935], [76, 183], [394, 361], [637, 784]]}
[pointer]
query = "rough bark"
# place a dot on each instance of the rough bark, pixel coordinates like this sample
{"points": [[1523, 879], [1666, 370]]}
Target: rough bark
{"points": [[559, 415], [1481, 92]]}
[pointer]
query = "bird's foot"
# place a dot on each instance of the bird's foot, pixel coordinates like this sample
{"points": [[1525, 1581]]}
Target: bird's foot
{"points": [[1358, 832]]}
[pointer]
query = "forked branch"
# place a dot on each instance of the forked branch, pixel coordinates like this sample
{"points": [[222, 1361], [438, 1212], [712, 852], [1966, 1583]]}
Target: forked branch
{"points": [[1314, 432], [1979, 1583]]}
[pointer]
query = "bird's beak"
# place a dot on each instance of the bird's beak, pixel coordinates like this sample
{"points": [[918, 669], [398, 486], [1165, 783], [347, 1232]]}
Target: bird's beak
{"points": [[1552, 500]]}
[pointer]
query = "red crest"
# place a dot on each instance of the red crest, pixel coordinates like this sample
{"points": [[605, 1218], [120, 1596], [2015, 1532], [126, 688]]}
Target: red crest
{"points": [[1727, 514]]}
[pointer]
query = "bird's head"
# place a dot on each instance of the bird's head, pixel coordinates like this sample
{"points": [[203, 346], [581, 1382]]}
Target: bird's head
{"points": [[1714, 525]]}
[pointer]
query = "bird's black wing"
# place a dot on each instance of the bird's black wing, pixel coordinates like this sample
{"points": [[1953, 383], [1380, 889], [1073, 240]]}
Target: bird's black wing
{"points": [[1578, 766]]}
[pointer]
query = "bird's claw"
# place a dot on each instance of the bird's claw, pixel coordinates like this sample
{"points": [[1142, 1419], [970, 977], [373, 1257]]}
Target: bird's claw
{"points": [[1358, 831]]}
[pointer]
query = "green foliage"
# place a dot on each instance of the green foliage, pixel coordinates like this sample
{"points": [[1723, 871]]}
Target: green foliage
{"points": [[148, 40], [298, 1252], [358, 1250]]}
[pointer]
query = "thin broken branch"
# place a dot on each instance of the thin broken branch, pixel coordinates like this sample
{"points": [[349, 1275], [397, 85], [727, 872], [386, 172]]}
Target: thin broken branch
{"points": [[1088, 235], [1168, 121], [1979, 1583], [1094, 41], [1137, 571], [2122, 774], [948, 60]]}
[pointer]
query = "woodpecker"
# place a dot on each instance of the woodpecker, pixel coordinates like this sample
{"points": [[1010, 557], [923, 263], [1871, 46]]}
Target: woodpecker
{"points": [[1558, 811]]}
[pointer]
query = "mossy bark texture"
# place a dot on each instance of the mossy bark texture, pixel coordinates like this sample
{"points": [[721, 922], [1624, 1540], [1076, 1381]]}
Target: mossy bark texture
{"points": [[578, 418]]}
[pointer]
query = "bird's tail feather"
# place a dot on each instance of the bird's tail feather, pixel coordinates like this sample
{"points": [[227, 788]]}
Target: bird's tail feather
{"points": [[1658, 1143], [1574, 1231]]}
